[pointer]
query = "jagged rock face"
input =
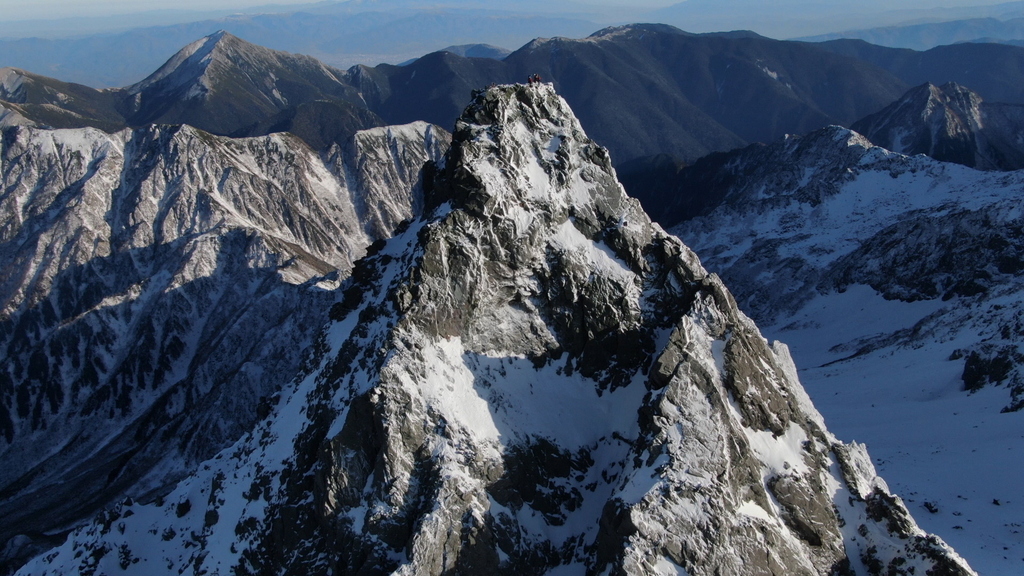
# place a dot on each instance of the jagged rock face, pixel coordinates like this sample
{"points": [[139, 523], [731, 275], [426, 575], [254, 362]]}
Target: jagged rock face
{"points": [[949, 123], [158, 284], [534, 377], [387, 165]]}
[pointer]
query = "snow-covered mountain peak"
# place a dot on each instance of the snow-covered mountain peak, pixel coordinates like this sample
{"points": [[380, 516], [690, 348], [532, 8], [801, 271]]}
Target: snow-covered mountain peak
{"points": [[531, 378], [226, 85], [526, 137], [188, 65]]}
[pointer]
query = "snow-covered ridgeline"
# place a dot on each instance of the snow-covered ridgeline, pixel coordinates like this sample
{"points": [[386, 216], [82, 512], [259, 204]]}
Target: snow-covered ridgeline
{"points": [[896, 281], [156, 284], [533, 378]]}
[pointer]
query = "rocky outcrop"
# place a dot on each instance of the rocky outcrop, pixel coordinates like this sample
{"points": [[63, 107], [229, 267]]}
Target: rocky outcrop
{"points": [[157, 286], [532, 377], [952, 124]]}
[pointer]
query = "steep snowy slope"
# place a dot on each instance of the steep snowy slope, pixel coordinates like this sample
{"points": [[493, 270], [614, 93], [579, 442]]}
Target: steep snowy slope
{"points": [[156, 285], [533, 379], [897, 282]]}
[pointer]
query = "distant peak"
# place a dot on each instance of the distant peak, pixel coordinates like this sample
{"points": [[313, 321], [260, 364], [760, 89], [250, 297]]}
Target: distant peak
{"points": [[735, 34], [943, 122], [12, 84], [190, 64], [949, 89], [625, 29]]}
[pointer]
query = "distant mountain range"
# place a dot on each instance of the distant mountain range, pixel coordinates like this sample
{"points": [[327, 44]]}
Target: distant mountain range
{"points": [[949, 123], [931, 34], [332, 34], [800, 18], [994, 71], [662, 91], [472, 51]]}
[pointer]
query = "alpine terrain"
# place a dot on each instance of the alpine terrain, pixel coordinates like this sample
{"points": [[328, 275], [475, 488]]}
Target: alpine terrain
{"points": [[897, 282], [950, 123], [158, 285], [532, 378]]}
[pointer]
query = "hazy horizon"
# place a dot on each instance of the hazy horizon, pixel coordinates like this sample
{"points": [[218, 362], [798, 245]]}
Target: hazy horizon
{"points": [[22, 10], [31, 10]]}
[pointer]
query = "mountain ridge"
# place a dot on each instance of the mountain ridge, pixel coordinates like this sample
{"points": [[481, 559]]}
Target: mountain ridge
{"points": [[705, 107], [157, 284], [427, 431]]}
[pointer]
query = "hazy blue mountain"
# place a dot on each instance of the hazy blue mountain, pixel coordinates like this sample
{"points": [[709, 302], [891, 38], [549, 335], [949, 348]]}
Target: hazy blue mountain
{"points": [[647, 89], [640, 89], [338, 38], [929, 35], [222, 83], [994, 71], [797, 18], [472, 51]]}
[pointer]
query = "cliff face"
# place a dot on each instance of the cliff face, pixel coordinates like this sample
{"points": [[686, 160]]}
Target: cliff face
{"points": [[531, 377]]}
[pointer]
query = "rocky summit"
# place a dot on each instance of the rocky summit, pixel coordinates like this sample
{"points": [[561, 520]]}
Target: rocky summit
{"points": [[532, 378], [949, 123]]}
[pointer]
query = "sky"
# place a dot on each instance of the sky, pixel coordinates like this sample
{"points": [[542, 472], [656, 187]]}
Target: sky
{"points": [[11, 10], [54, 18], [52, 9]]}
